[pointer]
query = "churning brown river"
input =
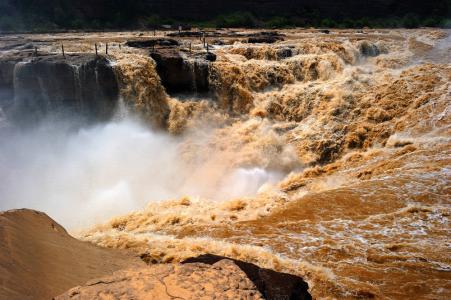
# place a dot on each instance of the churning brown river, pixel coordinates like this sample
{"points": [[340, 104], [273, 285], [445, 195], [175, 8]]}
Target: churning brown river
{"points": [[331, 163]]}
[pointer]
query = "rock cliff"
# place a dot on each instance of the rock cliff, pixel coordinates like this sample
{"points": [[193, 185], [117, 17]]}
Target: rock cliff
{"points": [[180, 73], [80, 84]]}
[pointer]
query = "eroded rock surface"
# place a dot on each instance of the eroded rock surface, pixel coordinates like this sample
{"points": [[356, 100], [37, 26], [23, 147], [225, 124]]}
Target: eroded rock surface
{"points": [[222, 280], [271, 284]]}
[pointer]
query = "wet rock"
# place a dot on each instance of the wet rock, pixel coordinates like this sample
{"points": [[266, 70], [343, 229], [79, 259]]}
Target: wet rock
{"points": [[271, 284], [185, 34], [222, 280], [180, 73], [184, 29], [7, 65], [207, 33], [284, 53], [80, 84], [6, 84], [368, 49], [210, 56], [218, 42], [326, 31], [152, 42], [265, 37]]}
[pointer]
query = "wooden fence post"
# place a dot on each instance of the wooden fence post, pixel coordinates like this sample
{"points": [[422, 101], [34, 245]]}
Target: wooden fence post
{"points": [[106, 49], [95, 45], [62, 49]]}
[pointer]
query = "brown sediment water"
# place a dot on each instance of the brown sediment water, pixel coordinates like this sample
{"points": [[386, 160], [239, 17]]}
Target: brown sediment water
{"points": [[361, 128], [140, 87], [355, 128]]}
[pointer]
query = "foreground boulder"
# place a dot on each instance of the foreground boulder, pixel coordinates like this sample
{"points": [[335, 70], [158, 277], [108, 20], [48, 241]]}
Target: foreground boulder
{"points": [[271, 284], [39, 259], [81, 84], [222, 280]]}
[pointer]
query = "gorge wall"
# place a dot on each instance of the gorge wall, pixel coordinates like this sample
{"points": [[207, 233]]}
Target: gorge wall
{"points": [[50, 85]]}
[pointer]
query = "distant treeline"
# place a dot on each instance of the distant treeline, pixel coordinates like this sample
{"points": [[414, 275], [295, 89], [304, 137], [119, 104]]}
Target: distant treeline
{"points": [[45, 15]]}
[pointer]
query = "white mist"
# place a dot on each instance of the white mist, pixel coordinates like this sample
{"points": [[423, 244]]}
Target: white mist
{"points": [[86, 176]]}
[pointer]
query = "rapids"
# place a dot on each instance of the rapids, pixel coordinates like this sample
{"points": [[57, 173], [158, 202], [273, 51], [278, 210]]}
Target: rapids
{"points": [[332, 163]]}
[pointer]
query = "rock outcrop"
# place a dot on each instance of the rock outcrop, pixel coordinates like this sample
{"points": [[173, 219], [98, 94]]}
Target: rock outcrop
{"points": [[7, 65], [39, 259], [271, 284], [265, 38], [222, 280], [181, 73], [81, 84], [285, 52], [151, 43], [186, 34], [6, 83], [368, 49]]}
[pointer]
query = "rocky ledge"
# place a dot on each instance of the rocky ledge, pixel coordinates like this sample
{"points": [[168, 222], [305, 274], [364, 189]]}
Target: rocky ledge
{"points": [[182, 72], [265, 37], [271, 284], [82, 84], [147, 43], [222, 280]]}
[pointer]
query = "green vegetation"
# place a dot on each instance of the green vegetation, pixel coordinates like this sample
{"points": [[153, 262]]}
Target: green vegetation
{"points": [[236, 20], [248, 21], [51, 15]]}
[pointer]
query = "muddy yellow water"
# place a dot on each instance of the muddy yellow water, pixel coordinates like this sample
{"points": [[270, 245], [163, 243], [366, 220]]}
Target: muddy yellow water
{"points": [[355, 127]]}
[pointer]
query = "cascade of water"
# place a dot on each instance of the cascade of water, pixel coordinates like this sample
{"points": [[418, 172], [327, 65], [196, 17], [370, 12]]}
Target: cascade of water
{"points": [[192, 65], [122, 112], [77, 87]]}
